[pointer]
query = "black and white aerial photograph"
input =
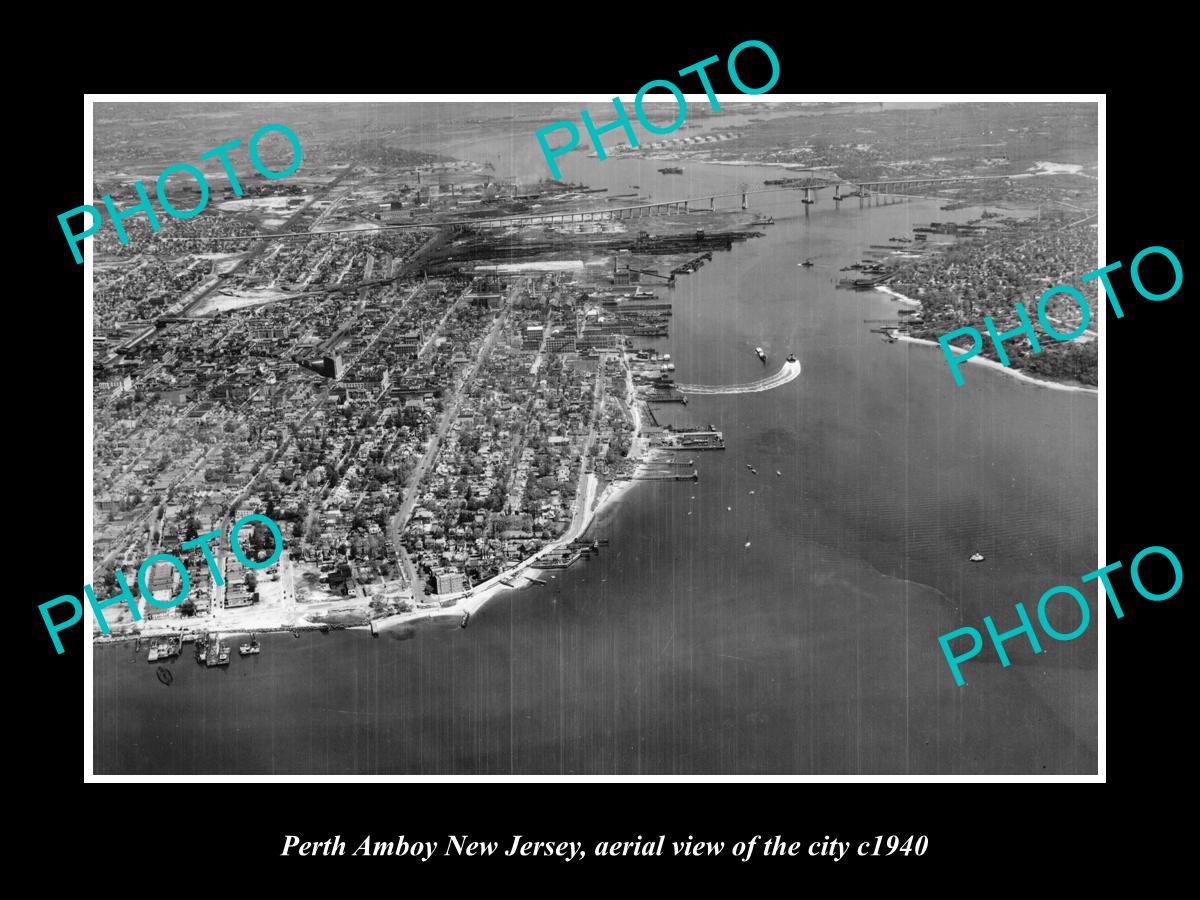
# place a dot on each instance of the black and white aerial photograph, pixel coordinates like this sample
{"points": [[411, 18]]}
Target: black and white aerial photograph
{"points": [[464, 439]]}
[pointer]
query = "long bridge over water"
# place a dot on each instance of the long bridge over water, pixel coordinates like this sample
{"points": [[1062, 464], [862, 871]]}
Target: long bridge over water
{"points": [[863, 191]]}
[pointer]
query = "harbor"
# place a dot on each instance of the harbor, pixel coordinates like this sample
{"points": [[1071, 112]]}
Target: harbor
{"points": [[718, 633]]}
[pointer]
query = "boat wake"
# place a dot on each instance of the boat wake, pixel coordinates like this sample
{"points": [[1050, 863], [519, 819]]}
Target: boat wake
{"points": [[789, 372]]}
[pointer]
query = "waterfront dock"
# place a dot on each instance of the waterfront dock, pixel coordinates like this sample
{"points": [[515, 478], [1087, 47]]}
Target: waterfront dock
{"points": [[693, 440]]}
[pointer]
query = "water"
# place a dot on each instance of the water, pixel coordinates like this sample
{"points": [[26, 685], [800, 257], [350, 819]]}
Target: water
{"points": [[679, 649]]}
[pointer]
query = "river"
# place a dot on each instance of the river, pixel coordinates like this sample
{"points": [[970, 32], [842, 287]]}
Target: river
{"points": [[752, 624]]}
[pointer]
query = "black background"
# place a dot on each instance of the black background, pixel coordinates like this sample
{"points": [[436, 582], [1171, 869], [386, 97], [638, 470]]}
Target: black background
{"points": [[211, 832]]}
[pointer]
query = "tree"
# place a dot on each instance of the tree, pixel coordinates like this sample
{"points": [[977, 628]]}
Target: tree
{"points": [[191, 528], [187, 607]]}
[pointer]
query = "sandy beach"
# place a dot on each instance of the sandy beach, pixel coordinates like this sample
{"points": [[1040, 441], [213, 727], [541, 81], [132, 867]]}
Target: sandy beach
{"points": [[980, 360], [294, 617], [474, 599]]}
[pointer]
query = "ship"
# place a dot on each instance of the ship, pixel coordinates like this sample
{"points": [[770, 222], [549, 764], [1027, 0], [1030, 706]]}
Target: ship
{"points": [[164, 649], [216, 655], [762, 354], [671, 170], [641, 293], [976, 557]]}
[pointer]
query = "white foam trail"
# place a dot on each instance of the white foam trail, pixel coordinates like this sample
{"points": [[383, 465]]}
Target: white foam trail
{"points": [[789, 372]]}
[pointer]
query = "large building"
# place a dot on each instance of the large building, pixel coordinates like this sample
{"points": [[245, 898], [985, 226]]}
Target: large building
{"points": [[449, 581], [333, 365], [369, 378], [409, 342], [532, 337], [561, 340]]}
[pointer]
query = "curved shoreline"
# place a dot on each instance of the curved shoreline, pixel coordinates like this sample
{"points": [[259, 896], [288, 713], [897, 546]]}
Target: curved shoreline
{"points": [[981, 360], [473, 600]]}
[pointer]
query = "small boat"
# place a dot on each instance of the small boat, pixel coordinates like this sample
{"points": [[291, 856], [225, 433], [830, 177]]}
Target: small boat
{"points": [[747, 543], [750, 467], [754, 471], [791, 357], [976, 557], [165, 675], [752, 492], [153, 654], [465, 619], [250, 648], [762, 354], [807, 264], [777, 472]]}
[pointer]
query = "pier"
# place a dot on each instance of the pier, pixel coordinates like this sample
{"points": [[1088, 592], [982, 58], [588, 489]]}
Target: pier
{"points": [[653, 476], [561, 559], [693, 440]]}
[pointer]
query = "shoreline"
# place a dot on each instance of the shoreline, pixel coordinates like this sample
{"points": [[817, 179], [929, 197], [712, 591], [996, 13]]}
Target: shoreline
{"points": [[480, 595], [475, 599], [981, 360], [468, 602]]}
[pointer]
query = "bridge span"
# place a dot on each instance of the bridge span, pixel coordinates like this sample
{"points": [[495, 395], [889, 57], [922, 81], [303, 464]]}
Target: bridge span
{"points": [[708, 202]]}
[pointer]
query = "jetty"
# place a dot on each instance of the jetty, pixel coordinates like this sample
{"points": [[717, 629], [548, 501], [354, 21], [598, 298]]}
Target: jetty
{"points": [[693, 440], [653, 476]]}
